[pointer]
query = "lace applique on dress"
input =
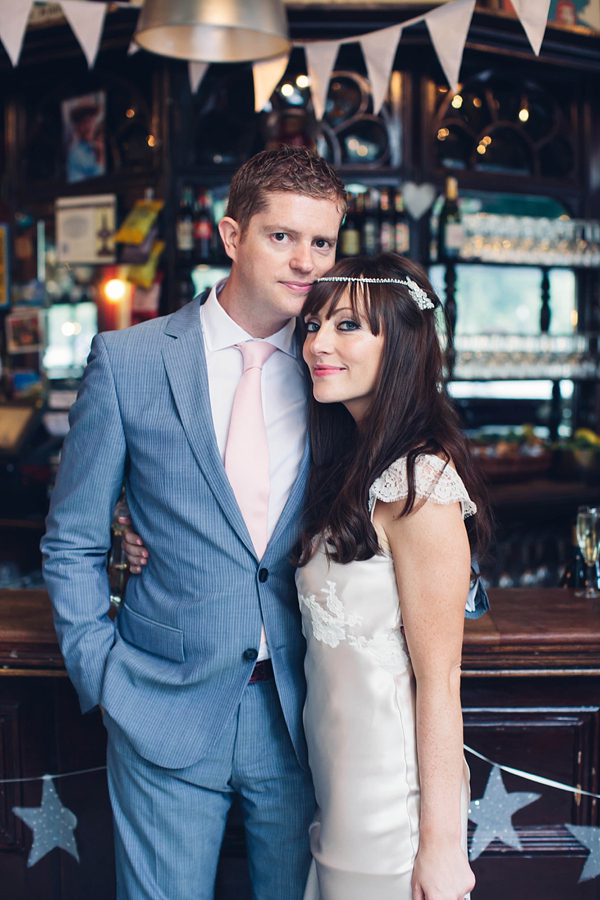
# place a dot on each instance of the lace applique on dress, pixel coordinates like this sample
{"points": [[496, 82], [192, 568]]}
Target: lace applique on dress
{"points": [[329, 622], [434, 480], [387, 648]]}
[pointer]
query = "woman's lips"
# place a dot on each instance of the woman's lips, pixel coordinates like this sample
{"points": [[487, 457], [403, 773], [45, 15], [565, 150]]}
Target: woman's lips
{"points": [[326, 370]]}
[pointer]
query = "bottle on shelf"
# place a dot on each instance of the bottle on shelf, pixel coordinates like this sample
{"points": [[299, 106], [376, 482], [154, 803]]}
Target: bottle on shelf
{"points": [[401, 227], [203, 228], [450, 229], [575, 573], [350, 235], [370, 230], [387, 240], [184, 229]]}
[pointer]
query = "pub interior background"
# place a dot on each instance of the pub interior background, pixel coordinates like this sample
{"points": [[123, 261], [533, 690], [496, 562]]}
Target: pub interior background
{"points": [[517, 268]]}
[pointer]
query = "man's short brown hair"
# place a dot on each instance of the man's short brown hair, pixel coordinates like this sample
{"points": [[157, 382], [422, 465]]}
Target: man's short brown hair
{"points": [[294, 170]]}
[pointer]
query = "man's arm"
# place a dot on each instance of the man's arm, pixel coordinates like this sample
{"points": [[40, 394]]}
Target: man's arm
{"points": [[77, 535]]}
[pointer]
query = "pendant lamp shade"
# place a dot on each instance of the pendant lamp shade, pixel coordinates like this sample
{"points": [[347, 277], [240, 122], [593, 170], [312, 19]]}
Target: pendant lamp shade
{"points": [[214, 30]]}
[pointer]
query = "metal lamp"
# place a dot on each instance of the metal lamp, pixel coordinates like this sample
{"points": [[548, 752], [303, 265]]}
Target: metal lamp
{"points": [[214, 30]]}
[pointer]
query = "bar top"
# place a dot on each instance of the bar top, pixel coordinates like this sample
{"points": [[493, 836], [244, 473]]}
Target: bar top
{"points": [[530, 630]]}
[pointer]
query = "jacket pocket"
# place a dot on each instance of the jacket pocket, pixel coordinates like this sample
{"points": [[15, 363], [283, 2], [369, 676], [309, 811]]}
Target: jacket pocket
{"points": [[151, 636]]}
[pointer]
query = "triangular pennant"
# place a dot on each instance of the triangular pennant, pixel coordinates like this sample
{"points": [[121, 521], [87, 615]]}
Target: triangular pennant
{"points": [[196, 72], [448, 28], [133, 48], [379, 51], [13, 23], [267, 76], [534, 16], [87, 21], [591, 14], [320, 60]]}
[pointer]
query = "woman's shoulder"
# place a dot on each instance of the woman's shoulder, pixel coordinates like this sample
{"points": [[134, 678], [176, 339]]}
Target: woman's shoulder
{"points": [[435, 479]]}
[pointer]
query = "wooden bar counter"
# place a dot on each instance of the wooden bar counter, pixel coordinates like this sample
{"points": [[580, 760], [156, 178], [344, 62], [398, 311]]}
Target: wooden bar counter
{"points": [[531, 700]]}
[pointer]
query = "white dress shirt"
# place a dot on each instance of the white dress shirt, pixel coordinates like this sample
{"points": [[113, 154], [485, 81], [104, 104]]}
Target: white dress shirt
{"points": [[283, 395]]}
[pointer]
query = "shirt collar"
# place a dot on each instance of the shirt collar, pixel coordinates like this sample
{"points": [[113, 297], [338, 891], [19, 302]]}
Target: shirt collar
{"points": [[220, 331]]}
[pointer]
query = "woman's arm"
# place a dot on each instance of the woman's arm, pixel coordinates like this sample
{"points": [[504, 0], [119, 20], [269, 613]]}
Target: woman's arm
{"points": [[431, 557]]}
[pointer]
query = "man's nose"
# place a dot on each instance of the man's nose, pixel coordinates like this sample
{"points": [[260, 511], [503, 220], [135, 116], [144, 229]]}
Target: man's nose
{"points": [[302, 258]]}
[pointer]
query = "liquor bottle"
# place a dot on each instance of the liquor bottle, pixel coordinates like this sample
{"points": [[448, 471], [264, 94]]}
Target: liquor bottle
{"points": [[185, 226], [574, 575], [350, 236], [401, 227], [203, 229], [450, 229], [387, 240], [370, 231]]}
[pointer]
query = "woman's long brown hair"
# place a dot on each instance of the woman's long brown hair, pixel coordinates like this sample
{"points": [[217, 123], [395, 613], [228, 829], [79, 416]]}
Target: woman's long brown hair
{"points": [[411, 414]]}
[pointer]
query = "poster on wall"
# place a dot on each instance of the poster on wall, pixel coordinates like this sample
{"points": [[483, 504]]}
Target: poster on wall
{"points": [[83, 136], [4, 267], [24, 331], [85, 229]]}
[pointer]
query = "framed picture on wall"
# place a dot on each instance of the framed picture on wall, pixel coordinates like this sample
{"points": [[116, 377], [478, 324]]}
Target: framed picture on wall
{"points": [[83, 136], [25, 331]]}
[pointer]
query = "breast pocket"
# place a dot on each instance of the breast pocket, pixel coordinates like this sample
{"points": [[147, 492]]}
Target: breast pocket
{"points": [[151, 636]]}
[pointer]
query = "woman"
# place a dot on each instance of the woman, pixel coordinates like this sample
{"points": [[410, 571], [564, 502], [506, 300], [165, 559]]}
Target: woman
{"points": [[383, 572], [384, 567]]}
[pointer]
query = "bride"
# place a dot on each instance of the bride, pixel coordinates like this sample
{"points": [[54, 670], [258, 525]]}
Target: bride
{"points": [[383, 572], [383, 569]]}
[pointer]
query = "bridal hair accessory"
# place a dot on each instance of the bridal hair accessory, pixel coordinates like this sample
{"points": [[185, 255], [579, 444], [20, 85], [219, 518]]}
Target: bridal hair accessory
{"points": [[417, 293]]}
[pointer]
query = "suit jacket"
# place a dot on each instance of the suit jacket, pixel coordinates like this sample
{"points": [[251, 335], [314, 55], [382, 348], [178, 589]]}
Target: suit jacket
{"points": [[171, 670]]}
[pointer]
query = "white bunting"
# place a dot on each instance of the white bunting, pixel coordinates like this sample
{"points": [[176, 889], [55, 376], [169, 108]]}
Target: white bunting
{"points": [[267, 75], [534, 16], [379, 50], [87, 21], [13, 23], [591, 14], [448, 27], [196, 72], [320, 60]]}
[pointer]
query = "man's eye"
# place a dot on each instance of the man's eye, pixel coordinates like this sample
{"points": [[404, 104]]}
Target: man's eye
{"points": [[348, 325], [280, 236], [311, 327], [322, 244]]}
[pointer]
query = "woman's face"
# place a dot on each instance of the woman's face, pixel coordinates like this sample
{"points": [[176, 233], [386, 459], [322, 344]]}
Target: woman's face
{"points": [[344, 358]]}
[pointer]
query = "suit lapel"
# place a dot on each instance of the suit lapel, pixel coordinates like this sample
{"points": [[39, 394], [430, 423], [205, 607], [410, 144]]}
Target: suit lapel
{"points": [[185, 363]]}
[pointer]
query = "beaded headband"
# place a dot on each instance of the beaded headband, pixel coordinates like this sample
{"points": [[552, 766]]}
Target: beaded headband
{"points": [[417, 293]]}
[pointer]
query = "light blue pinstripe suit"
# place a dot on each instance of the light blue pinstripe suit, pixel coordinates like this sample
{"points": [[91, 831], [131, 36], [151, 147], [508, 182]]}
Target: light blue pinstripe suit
{"points": [[171, 674]]}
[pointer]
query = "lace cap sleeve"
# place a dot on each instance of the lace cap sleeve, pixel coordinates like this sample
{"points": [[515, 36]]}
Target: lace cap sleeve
{"points": [[434, 480]]}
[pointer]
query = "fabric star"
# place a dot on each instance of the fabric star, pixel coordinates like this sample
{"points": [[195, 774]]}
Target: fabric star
{"points": [[52, 824], [493, 813], [589, 836]]}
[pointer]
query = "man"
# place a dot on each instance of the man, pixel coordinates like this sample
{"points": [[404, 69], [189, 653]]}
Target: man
{"points": [[185, 677]]}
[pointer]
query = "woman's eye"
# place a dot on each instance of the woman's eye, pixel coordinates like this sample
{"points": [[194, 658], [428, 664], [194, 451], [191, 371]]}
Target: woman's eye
{"points": [[348, 325], [311, 327]]}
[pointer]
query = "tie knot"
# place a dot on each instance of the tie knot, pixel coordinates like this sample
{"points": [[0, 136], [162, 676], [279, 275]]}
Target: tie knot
{"points": [[255, 353]]}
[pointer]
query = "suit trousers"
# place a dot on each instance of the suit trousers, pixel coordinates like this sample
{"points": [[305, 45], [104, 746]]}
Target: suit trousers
{"points": [[169, 823]]}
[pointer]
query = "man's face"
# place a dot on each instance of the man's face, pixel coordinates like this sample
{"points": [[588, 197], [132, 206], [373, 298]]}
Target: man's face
{"points": [[283, 250]]}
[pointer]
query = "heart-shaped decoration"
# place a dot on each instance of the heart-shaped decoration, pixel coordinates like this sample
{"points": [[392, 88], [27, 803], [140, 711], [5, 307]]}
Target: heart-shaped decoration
{"points": [[417, 198]]}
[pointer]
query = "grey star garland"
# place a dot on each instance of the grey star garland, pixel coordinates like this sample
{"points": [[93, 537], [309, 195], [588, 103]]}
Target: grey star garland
{"points": [[493, 814], [589, 836], [52, 824]]}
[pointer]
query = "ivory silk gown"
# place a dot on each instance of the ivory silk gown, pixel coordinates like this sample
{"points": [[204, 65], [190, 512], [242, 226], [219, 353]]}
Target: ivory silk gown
{"points": [[359, 715]]}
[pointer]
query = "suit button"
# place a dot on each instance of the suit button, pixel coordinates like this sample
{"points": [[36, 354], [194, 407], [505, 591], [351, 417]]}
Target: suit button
{"points": [[263, 575], [250, 654]]}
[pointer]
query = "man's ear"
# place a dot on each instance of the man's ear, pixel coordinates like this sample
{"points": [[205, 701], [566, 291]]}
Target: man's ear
{"points": [[231, 236]]}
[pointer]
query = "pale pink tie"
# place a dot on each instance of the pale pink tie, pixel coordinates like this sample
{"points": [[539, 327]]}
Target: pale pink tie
{"points": [[247, 450]]}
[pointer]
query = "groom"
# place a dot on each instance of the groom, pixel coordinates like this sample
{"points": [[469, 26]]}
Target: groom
{"points": [[201, 677]]}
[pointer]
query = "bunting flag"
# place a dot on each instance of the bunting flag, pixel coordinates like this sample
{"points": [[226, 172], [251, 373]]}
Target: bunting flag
{"points": [[534, 16], [87, 21], [320, 60], [13, 22], [133, 48], [379, 51], [448, 26], [196, 72], [267, 76]]}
